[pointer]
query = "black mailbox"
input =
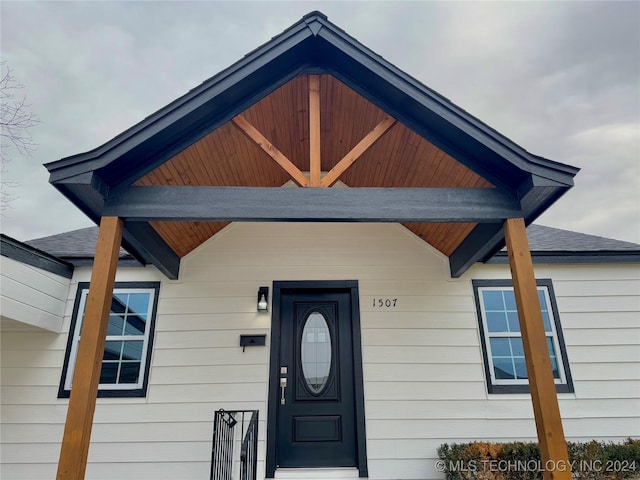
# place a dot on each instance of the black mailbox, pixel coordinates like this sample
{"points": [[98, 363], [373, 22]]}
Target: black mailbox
{"points": [[252, 341]]}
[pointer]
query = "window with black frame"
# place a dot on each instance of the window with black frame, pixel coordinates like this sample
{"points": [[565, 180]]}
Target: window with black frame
{"points": [[129, 341], [502, 348]]}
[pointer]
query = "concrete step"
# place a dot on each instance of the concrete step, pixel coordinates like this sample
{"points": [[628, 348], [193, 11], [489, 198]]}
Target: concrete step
{"points": [[346, 473]]}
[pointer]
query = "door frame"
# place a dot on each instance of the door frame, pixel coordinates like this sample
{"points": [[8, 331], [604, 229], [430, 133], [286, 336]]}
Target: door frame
{"points": [[350, 286]]}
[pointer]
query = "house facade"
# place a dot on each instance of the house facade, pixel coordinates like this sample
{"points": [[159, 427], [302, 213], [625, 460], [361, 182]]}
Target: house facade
{"points": [[316, 236], [423, 357]]}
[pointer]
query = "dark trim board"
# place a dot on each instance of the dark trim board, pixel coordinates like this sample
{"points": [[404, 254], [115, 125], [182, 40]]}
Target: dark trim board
{"points": [[23, 253], [88, 262], [229, 204], [350, 286], [594, 257]]}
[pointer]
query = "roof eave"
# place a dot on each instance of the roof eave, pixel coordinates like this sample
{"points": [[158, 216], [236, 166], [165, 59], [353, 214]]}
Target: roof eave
{"points": [[21, 252], [574, 257]]}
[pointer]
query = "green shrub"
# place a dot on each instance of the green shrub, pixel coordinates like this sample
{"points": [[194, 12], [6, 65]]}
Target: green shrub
{"points": [[521, 461]]}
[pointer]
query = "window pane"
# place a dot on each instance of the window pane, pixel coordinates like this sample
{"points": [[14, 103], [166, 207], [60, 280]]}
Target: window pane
{"points": [[119, 302], [514, 323], [109, 372], [116, 323], [543, 299], [554, 367], [554, 358], [547, 321], [521, 367], [135, 325], [516, 347], [132, 350], [497, 322], [509, 300], [500, 347], [84, 309], [112, 350], [503, 368], [315, 351], [139, 304], [129, 372], [492, 300]]}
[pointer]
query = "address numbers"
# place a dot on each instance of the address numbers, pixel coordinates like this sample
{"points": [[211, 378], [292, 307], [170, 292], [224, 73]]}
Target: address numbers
{"points": [[384, 302]]}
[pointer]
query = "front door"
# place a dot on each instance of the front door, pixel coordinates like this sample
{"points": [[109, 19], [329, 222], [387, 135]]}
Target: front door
{"points": [[317, 376]]}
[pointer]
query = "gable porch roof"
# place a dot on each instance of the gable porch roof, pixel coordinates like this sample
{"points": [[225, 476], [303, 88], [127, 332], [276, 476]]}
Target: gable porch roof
{"points": [[178, 176]]}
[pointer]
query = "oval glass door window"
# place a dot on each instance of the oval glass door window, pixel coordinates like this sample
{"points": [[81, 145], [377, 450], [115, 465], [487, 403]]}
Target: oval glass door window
{"points": [[316, 352]]}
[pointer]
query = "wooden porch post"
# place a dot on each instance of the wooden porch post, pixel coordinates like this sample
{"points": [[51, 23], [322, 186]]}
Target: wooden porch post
{"points": [[553, 447], [86, 376]]}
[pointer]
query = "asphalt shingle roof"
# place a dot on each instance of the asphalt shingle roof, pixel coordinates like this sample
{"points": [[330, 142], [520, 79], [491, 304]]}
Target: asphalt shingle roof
{"points": [[74, 244], [548, 239]]}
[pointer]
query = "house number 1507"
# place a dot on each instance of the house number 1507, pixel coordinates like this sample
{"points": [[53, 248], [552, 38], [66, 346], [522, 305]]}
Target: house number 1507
{"points": [[384, 302]]}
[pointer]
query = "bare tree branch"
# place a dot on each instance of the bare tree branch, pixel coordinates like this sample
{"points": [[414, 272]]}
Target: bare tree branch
{"points": [[16, 121]]}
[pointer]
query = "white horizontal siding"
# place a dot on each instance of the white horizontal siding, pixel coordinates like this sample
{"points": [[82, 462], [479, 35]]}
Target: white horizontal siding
{"points": [[423, 372], [162, 470], [31, 295], [106, 433], [497, 408]]}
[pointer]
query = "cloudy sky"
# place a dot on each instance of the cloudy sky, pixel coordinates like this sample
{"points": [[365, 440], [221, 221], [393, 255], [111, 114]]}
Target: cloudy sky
{"points": [[562, 79]]}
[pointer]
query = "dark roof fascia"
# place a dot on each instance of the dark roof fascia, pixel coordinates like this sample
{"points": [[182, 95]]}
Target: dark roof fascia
{"points": [[567, 257], [251, 68], [438, 104], [88, 262], [20, 252]]}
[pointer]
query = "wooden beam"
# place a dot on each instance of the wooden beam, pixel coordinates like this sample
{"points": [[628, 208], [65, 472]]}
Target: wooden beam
{"points": [[363, 145], [250, 204], [535, 195], [252, 132], [482, 242], [553, 447], [143, 237], [86, 374], [315, 166]]}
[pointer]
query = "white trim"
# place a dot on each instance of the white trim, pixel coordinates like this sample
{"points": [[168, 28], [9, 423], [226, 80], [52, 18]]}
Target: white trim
{"points": [[145, 345], [488, 335]]}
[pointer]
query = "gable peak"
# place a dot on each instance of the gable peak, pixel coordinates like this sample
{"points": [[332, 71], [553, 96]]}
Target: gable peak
{"points": [[314, 20]]}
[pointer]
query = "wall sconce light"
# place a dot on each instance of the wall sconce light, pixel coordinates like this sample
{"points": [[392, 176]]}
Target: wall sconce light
{"points": [[263, 299]]}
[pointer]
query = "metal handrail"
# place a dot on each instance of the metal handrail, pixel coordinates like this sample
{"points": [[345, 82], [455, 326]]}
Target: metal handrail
{"points": [[223, 461]]}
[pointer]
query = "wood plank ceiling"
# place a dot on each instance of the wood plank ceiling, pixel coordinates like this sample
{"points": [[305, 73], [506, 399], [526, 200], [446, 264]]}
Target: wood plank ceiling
{"points": [[231, 156]]}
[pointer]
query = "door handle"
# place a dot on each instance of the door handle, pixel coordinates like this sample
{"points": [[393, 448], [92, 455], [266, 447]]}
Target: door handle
{"points": [[283, 387]]}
